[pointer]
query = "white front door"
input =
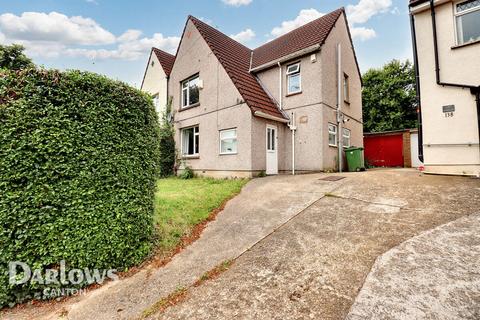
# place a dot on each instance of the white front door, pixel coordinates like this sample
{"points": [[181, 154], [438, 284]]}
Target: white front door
{"points": [[272, 147]]}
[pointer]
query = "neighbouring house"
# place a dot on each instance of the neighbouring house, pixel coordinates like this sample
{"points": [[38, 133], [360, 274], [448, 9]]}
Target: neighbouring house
{"points": [[397, 148], [291, 104], [446, 41], [155, 79]]}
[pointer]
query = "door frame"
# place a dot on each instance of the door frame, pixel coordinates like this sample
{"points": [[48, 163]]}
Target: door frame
{"points": [[269, 152]]}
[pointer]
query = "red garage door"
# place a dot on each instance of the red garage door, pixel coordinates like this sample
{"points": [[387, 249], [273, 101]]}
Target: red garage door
{"points": [[384, 150]]}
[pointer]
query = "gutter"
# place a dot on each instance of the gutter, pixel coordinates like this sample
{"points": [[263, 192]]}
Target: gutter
{"points": [[294, 55], [417, 81], [475, 90], [269, 117]]}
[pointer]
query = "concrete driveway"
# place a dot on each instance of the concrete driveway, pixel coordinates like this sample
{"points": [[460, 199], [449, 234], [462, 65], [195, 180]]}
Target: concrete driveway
{"points": [[302, 248], [314, 266]]}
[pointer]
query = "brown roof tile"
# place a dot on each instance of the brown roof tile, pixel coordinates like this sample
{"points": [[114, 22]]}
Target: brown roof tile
{"points": [[310, 34], [166, 60], [235, 59]]}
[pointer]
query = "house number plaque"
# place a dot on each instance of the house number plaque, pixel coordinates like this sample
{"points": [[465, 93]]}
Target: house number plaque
{"points": [[448, 111]]}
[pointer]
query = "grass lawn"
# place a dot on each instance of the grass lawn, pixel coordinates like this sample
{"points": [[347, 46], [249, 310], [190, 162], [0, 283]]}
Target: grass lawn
{"points": [[182, 204]]}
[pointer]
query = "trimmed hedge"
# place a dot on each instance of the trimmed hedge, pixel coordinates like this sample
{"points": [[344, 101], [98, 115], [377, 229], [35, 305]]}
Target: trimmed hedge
{"points": [[78, 163]]}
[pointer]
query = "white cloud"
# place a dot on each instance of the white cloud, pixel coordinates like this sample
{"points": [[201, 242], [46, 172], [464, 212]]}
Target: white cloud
{"points": [[132, 49], [92, 1], [54, 34], [244, 36], [365, 9], [305, 16], [130, 35], [362, 33], [237, 3], [206, 20], [38, 26]]}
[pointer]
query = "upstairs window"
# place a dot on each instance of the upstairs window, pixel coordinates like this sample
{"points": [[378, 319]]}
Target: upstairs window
{"points": [[190, 92], [190, 141], [294, 79], [467, 16], [346, 88]]}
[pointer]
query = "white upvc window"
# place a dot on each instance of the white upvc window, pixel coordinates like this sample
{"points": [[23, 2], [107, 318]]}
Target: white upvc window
{"points": [[294, 79], [467, 21], [332, 135], [190, 92], [228, 141], [346, 88], [190, 141], [346, 138]]}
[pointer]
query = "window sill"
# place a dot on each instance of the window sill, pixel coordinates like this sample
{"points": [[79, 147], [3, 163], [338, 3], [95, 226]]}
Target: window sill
{"points": [[458, 46], [191, 157], [189, 107], [228, 154], [333, 146], [293, 94]]}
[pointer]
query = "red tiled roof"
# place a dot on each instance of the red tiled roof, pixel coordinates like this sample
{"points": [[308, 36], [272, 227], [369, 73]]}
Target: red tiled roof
{"points": [[235, 59], [166, 60], [310, 34]]}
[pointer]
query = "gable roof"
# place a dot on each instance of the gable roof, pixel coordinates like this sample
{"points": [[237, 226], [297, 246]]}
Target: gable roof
{"points": [[166, 60], [235, 59], [308, 35]]}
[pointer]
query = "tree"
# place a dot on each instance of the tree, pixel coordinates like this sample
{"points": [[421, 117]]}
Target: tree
{"points": [[13, 58], [389, 97]]}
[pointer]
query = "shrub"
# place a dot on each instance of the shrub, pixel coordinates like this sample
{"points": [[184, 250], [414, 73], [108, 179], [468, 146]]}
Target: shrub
{"points": [[78, 163], [187, 173], [167, 150]]}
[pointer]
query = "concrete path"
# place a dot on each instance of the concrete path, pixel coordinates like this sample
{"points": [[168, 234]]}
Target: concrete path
{"points": [[263, 205], [314, 266], [435, 275]]}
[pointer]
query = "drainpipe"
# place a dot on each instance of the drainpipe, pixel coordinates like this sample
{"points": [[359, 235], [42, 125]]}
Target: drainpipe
{"points": [[475, 90], [291, 124], [293, 128], [339, 109], [280, 82], [417, 82]]}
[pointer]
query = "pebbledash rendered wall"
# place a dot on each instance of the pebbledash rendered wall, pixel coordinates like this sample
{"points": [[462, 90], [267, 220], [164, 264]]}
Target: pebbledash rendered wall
{"points": [[450, 141], [221, 107], [315, 107]]}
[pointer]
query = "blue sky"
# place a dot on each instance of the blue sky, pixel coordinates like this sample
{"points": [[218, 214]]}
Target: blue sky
{"points": [[114, 37]]}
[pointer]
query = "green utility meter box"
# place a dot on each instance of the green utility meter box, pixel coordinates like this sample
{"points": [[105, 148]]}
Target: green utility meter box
{"points": [[355, 160]]}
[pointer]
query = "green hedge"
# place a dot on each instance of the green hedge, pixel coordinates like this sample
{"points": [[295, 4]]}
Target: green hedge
{"points": [[78, 162]]}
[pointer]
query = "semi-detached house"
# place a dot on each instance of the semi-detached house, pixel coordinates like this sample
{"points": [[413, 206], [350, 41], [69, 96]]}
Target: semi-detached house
{"points": [[290, 104]]}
